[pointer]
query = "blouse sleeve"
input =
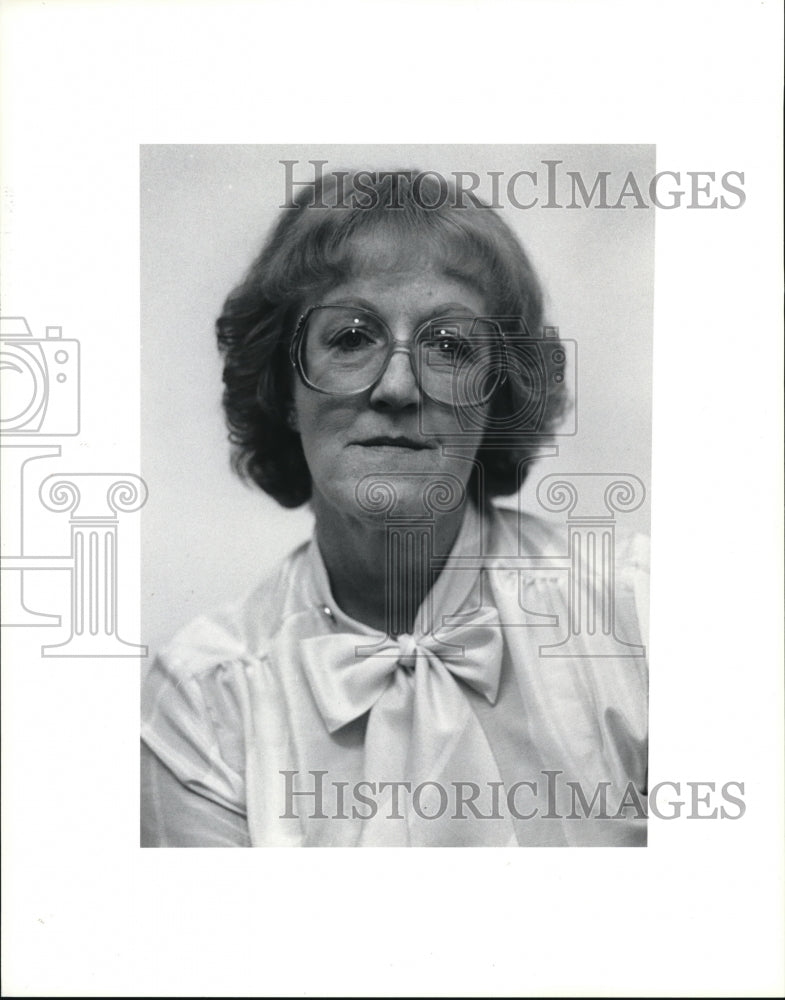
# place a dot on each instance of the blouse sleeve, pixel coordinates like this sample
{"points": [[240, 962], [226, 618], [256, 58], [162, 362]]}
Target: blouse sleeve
{"points": [[193, 791]]}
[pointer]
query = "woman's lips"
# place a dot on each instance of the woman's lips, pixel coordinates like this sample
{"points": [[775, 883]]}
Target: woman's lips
{"points": [[393, 442]]}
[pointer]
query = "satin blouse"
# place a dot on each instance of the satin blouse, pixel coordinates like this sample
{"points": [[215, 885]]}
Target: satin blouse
{"points": [[236, 750]]}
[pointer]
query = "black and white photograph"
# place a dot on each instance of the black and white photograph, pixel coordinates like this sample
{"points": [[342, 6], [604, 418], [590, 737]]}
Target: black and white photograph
{"points": [[391, 434], [446, 661]]}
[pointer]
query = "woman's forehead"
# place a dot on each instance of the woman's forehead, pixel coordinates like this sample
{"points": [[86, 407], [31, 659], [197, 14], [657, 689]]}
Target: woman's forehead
{"points": [[381, 261], [405, 288], [394, 250]]}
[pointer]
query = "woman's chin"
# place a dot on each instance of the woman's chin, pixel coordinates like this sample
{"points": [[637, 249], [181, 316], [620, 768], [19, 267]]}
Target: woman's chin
{"points": [[375, 485], [403, 494]]}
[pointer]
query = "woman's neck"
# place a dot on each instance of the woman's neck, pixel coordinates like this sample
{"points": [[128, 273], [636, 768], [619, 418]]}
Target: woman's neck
{"points": [[380, 572]]}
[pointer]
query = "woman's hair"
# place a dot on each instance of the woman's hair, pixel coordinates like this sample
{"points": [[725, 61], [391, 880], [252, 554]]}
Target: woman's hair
{"points": [[313, 247]]}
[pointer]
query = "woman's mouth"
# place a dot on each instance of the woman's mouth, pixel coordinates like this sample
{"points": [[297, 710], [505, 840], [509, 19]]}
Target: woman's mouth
{"points": [[399, 441]]}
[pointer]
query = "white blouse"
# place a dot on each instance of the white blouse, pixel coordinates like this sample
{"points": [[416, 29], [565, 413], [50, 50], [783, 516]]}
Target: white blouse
{"points": [[283, 722]]}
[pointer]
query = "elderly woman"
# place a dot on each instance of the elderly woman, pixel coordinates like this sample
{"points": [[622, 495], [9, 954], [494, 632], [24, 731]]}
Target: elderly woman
{"points": [[394, 681]]}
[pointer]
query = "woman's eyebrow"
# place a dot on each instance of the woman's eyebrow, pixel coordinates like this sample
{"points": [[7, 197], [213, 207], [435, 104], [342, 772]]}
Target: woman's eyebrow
{"points": [[442, 310], [447, 309], [356, 302]]}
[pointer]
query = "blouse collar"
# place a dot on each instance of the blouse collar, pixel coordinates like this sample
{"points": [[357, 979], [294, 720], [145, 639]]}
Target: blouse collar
{"points": [[450, 591]]}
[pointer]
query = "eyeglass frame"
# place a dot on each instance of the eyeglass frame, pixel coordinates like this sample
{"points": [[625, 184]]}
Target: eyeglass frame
{"points": [[395, 347]]}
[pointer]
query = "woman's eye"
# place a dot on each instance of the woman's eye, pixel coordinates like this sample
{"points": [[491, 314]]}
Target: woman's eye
{"points": [[449, 338], [353, 339], [450, 345]]}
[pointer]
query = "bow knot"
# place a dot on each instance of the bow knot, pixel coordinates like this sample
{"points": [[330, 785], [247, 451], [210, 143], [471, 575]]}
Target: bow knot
{"points": [[408, 647], [347, 681]]}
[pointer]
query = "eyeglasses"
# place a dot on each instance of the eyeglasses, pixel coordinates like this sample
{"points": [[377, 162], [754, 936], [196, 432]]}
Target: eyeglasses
{"points": [[344, 351]]}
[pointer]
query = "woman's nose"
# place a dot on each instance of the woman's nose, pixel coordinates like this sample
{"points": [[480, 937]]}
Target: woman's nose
{"points": [[398, 386]]}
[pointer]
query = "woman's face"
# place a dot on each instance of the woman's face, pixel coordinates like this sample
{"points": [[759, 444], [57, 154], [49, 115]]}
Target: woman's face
{"points": [[380, 431]]}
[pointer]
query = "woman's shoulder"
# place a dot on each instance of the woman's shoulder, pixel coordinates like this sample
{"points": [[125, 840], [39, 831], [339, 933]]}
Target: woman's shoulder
{"points": [[238, 631], [546, 546], [537, 536], [200, 688]]}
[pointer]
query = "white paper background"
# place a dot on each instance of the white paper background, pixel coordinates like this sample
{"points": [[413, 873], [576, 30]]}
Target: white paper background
{"points": [[697, 913]]}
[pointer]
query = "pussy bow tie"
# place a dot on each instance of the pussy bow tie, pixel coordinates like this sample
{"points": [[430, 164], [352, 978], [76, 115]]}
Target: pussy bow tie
{"points": [[421, 727], [347, 682]]}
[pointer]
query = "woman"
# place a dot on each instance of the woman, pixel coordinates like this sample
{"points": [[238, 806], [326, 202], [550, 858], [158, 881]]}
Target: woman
{"points": [[397, 680]]}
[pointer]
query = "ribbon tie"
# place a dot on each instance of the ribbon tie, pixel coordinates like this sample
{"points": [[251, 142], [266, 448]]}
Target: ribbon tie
{"points": [[346, 682], [421, 729]]}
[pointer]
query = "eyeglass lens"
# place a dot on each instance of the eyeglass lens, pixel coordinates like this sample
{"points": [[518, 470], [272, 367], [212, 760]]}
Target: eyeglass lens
{"points": [[457, 360]]}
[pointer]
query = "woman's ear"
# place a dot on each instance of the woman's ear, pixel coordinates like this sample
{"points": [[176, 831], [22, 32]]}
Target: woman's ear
{"points": [[291, 418]]}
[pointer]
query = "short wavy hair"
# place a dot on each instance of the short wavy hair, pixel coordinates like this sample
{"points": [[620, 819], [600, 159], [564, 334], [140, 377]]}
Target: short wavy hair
{"points": [[312, 247]]}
